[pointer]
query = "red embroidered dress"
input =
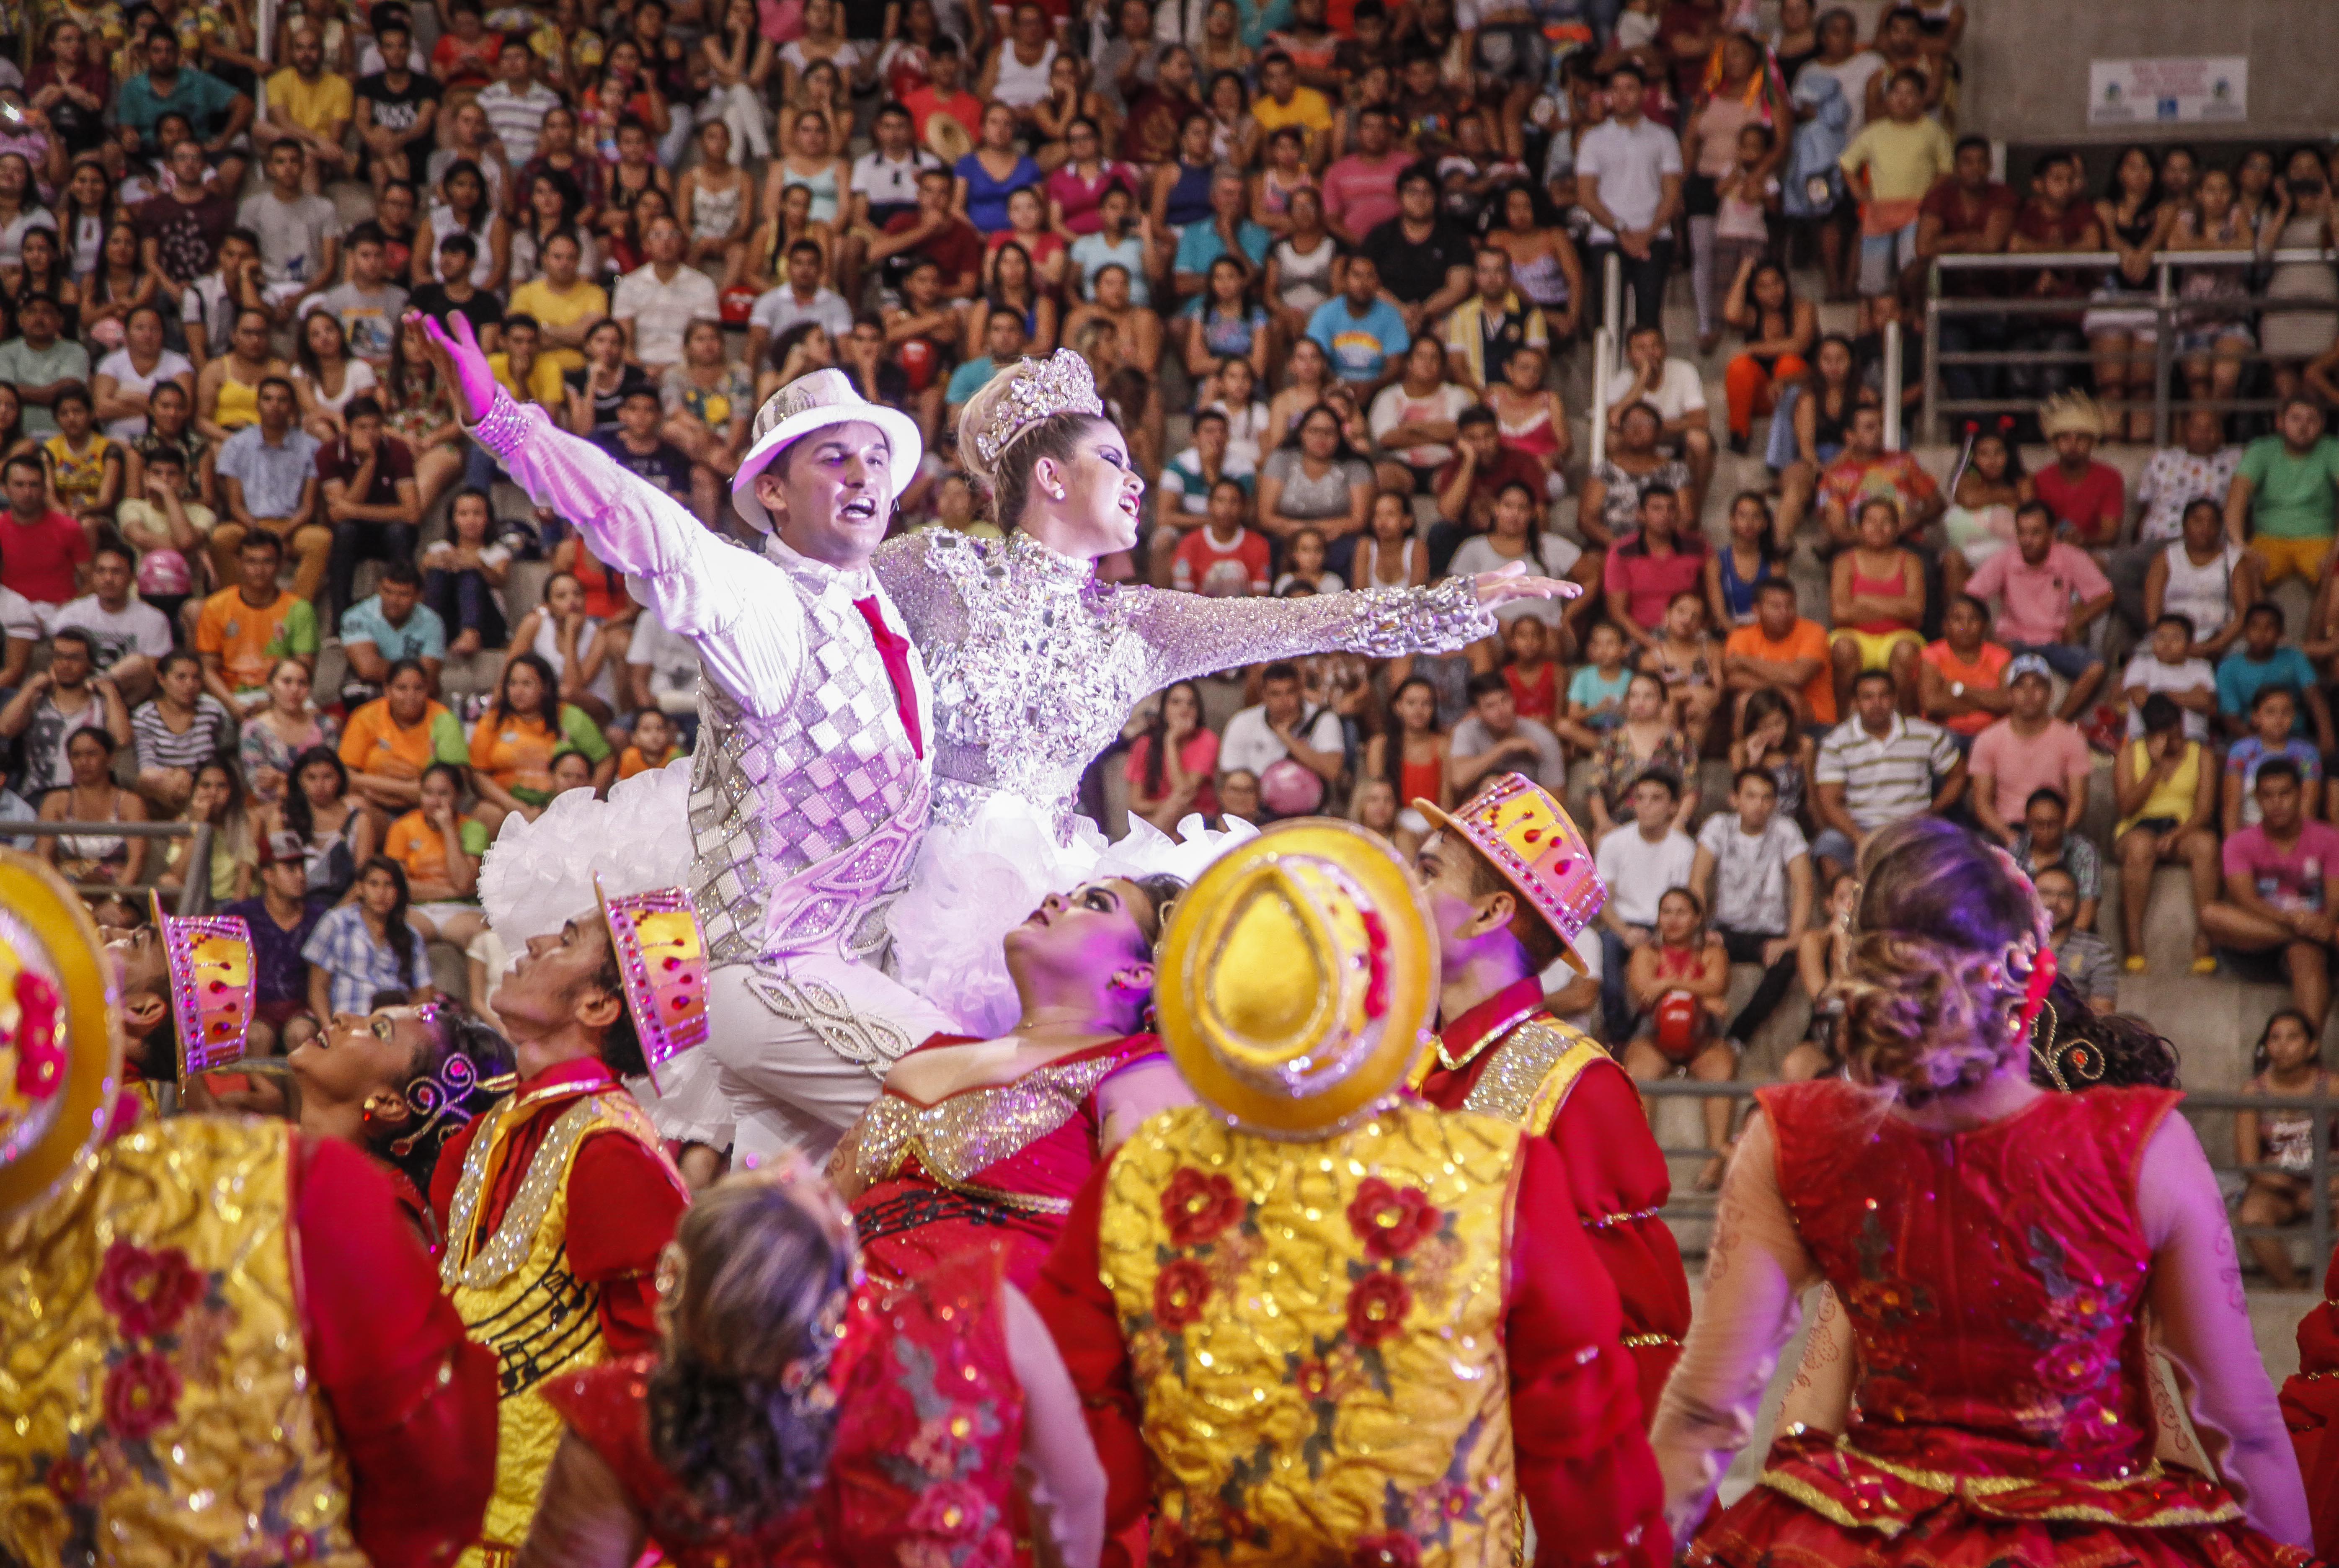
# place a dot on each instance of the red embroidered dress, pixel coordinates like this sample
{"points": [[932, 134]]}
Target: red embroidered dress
{"points": [[1000, 1162], [929, 1423], [1995, 1281]]}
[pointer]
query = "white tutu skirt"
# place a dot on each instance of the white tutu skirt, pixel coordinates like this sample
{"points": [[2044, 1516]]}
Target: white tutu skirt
{"points": [[538, 875], [975, 882]]}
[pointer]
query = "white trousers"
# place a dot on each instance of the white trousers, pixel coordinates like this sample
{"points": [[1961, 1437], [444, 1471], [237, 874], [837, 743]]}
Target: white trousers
{"points": [[803, 1043]]}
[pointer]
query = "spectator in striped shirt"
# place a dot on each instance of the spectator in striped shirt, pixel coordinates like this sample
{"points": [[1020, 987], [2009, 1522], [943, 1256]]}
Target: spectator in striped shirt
{"points": [[515, 104], [176, 730], [1878, 767]]}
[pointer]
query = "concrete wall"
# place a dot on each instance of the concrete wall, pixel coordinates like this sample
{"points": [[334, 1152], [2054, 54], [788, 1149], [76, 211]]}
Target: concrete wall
{"points": [[2027, 64]]}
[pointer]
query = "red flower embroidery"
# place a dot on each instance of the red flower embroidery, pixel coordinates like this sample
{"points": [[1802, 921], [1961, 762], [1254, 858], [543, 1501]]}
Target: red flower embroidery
{"points": [[1197, 1208], [142, 1395], [2072, 1369], [68, 1478], [1313, 1380], [1377, 1307], [950, 1510], [148, 1291], [1179, 1292], [2092, 1425], [1390, 1222], [1390, 1551]]}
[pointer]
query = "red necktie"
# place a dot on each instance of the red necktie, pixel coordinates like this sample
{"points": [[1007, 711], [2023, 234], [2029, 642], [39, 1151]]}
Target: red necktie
{"points": [[895, 650]]}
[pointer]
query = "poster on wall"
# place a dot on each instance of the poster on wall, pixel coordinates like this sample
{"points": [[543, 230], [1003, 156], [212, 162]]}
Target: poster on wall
{"points": [[2182, 90]]}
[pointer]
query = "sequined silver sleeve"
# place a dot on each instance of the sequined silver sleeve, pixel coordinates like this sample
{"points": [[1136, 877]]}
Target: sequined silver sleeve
{"points": [[1188, 634], [924, 593]]}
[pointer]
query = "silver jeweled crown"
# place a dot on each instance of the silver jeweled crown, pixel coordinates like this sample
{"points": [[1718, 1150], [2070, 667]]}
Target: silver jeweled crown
{"points": [[1037, 389]]}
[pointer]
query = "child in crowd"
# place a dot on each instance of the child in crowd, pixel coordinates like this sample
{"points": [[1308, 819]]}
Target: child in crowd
{"points": [[1307, 565], [1821, 954], [1222, 560], [2167, 664], [1533, 678], [2289, 1065], [654, 745], [2273, 720], [84, 466], [1595, 693], [1678, 983], [1685, 658]]}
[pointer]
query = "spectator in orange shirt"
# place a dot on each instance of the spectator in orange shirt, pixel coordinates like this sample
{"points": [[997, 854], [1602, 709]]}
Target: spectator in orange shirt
{"points": [[514, 742], [440, 848], [242, 632], [391, 740], [1959, 682], [1781, 652], [653, 744]]}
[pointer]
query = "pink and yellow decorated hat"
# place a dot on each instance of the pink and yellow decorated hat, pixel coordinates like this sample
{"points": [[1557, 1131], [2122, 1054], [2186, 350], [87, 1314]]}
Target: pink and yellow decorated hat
{"points": [[1528, 836], [662, 956], [208, 961]]}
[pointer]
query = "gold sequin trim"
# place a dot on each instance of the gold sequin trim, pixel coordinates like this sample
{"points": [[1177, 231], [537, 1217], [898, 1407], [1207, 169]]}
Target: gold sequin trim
{"points": [[1609, 1221], [957, 1138], [1976, 1491], [1650, 1341], [514, 1239], [1529, 1076]]}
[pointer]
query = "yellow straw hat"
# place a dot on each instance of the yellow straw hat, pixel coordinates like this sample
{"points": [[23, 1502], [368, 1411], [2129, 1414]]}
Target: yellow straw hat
{"points": [[60, 1049], [1296, 979]]}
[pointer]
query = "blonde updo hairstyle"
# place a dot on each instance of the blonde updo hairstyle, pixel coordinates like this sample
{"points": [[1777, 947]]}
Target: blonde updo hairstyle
{"points": [[1006, 482], [1933, 992]]}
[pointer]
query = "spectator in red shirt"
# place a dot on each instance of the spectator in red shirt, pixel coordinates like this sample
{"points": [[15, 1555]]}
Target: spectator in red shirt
{"points": [[1650, 565], [1222, 560], [2054, 219], [2089, 498], [1360, 189], [1472, 481], [464, 60], [43, 554], [1968, 214], [934, 234], [944, 93]]}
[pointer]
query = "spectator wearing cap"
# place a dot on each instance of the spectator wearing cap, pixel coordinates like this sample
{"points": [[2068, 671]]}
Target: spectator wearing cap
{"points": [[2027, 751], [2281, 886], [2283, 501], [2088, 498], [1878, 768], [41, 363], [2048, 843], [657, 304], [2164, 787], [2050, 592], [2265, 660], [281, 919]]}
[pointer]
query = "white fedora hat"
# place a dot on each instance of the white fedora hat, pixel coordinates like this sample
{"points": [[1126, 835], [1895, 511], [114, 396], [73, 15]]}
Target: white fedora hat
{"points": [[815, 402]]}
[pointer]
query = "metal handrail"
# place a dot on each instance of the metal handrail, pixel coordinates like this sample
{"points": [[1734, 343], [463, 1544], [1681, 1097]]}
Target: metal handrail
{"points": [[2023, 261], [194, 893], [1607, 345], [2320, 1107]]}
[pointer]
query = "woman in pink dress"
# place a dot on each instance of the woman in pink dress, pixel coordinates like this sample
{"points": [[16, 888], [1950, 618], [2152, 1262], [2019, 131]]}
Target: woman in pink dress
{"points": [[1994, 1248], [801, 1416], [975, 1140]]}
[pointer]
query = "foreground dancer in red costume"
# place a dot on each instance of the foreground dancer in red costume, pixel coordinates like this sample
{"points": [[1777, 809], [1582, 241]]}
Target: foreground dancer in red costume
{"points": [[1994, 1248], [980, 1140], [273, 1379], [797, 1416], [2310, 1405], [1308, 1318], [1511, 885]]}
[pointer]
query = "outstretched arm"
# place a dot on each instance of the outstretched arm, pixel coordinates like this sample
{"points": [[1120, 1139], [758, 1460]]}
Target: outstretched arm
{"points": [[1188, 634], [733, 604]]}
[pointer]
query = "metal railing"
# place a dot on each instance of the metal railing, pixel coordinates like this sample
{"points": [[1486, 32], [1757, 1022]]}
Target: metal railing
{"points": [[2171, 315], [195, 889], [1606, 341], [1700, 1206]]}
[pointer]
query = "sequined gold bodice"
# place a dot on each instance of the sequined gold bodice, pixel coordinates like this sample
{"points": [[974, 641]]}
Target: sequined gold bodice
{"points": [[965, 1141], [516, 1295], [1036, 665], [1315, 1332], [153, 1367]]}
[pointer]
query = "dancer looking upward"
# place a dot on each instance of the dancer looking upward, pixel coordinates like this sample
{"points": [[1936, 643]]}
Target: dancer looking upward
{"points": [[808, 791], [1037, 664], [1511, 885], [1993, 1246]]}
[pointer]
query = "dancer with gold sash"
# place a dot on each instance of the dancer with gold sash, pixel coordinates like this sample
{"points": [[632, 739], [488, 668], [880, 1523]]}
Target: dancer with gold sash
{"points": [[569, 1142], [1511, 887], [223, 1343], [1311, 1319]]}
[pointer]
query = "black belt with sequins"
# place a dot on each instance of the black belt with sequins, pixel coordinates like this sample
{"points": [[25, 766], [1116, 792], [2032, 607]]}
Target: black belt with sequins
{"points": [[927, 1205]]}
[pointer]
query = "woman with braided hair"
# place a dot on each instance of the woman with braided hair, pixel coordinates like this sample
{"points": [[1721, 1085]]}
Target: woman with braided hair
{"points": [[1994, 1247], [797, 1414], [396, 1081]]}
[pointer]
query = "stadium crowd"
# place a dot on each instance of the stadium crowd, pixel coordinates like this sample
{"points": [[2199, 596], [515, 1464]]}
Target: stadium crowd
{"points": [[1333, 263]]}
